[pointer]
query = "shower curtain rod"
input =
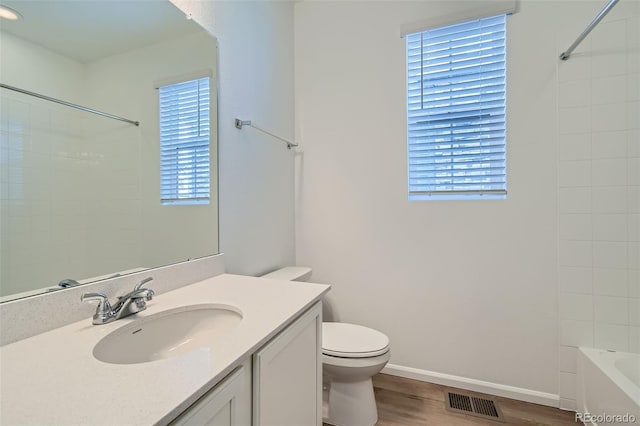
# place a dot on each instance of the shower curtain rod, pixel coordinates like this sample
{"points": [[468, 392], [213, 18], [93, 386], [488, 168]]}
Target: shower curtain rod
{"points": [[567, 53], [69, 104]]}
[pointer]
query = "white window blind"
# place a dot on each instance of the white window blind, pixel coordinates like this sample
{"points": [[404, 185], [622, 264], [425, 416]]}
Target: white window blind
{"points": [[184, 142], [456, 88]]}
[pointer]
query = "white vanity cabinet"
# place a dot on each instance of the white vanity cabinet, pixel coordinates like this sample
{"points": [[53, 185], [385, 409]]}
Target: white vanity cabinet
{"points": [[287, 375], [227, 404], [280, 385]]}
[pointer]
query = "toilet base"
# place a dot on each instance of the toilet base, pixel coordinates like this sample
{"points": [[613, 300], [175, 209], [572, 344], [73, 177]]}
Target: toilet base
{"points": [[351, 404]]}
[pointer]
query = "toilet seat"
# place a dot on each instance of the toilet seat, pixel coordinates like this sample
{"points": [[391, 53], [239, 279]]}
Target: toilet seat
{"points": [[346, 340]]}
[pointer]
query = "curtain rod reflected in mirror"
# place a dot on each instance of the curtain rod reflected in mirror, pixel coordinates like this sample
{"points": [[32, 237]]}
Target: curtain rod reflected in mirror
{"points": [[69, 104]]}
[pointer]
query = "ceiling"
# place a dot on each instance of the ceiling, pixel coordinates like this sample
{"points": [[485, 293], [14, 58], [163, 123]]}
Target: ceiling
{"points": [[86, 30]]}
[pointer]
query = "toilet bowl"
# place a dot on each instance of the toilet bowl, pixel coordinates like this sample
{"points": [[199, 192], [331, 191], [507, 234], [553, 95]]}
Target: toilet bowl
{"points": [[351, 355]]}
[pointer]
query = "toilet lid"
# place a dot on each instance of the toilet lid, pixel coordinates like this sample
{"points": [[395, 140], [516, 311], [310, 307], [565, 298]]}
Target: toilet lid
{"points": [[352, 341]]}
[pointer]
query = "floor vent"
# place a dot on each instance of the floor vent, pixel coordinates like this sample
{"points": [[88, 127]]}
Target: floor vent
{"points": [[472, 405]]}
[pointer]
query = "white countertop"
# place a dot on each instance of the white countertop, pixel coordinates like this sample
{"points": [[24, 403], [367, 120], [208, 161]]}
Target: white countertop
{"points": [[53, 378]]}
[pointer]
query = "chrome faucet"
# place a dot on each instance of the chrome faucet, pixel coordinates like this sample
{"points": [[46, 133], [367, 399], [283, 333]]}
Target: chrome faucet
{"points": [[131, 303]]}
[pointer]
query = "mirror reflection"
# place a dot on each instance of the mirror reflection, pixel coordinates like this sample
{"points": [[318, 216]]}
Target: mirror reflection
{"points": [[80, 195]]}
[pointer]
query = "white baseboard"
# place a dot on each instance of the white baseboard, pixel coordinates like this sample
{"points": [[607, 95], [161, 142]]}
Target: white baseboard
{"points": [[496, 389]]}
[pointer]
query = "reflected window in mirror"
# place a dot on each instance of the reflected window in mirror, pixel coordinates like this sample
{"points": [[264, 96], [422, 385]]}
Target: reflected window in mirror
{"points": [[185, 171]]}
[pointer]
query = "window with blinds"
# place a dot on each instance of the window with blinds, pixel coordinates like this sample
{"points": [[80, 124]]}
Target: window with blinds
{"points": [[456, 106], [184, 142]]}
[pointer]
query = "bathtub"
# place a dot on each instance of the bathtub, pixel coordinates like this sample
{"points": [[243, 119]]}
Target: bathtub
{"points": [[608, 387]]}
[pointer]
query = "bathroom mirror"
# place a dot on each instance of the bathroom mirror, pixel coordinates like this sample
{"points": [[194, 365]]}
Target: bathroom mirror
{"points": [[80, 192]]}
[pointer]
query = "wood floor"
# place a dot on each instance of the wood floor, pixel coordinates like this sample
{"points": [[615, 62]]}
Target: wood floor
{"points": [[406, 402]]}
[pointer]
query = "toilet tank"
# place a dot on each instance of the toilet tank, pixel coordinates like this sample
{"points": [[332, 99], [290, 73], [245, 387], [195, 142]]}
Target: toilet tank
{"points": [[290, 273]]}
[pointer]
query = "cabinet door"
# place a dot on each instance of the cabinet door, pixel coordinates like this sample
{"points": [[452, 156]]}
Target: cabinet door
{"points": [[287, 375], [227, 404]]}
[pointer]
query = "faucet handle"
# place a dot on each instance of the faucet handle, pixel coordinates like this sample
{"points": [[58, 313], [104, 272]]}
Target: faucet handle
{"points": [[149, 294], [141, 283], [103, 311], [90, 297]]}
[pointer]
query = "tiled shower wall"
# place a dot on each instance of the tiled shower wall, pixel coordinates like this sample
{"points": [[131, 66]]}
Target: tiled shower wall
{"points": [[48, 214], [599, 192], [61, 170]]}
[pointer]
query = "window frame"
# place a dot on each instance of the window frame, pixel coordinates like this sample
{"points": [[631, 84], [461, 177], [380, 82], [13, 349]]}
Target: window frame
{"points": [[438, 176], [185, 176]]}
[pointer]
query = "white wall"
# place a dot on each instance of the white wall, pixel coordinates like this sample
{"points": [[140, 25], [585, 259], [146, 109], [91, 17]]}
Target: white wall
{"points": [[256, 172], [599, 190], [466, 288]]}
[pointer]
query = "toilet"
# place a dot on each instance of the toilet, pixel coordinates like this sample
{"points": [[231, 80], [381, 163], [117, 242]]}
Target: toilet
{"points": [[351, 355]]}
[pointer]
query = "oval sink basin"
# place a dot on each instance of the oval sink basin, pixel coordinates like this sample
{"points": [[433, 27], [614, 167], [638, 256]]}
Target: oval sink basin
{"points": [[169, 333]]}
